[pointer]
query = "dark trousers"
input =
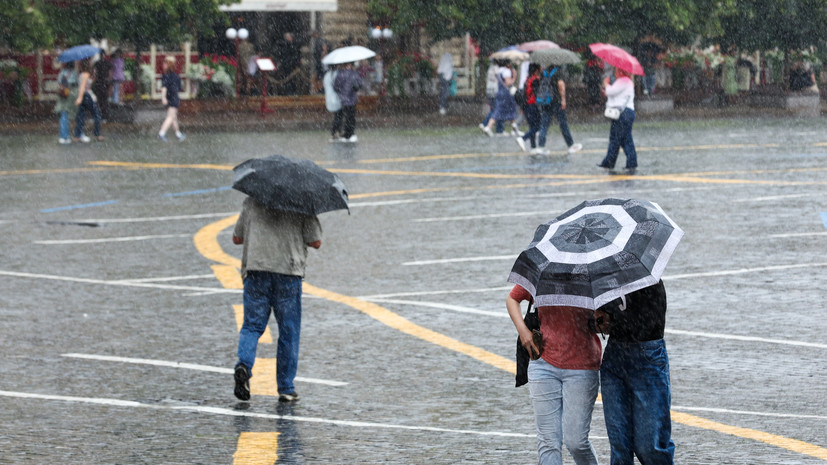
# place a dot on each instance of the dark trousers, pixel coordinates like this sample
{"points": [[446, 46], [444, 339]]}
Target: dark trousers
{"points": [[532, 114], [337, 123], [80, 120], [349, 115], [620, 136]]}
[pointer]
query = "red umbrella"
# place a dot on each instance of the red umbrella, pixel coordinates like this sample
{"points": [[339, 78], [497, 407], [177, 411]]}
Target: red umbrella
{"points": [[617, 57], [537, 45]]}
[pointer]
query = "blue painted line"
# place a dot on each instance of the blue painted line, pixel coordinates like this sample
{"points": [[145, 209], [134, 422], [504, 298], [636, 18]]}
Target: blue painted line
{"points": [[824, 218], [198, 192], [73, 207]]}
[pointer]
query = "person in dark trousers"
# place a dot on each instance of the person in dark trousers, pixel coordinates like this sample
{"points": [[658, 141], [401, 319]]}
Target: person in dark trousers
{"points": [[634, 378], [272, 267], [530, 109], [86, 101], [621, 95], [171, 86], [347, 85], [102, 84]]}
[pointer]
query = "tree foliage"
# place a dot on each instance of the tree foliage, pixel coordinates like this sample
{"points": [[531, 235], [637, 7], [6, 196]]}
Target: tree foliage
{"points": [[766, 24], [23, 26]]}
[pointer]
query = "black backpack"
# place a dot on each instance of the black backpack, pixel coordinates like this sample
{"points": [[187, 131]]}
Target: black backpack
{"points": [[545, 91]]}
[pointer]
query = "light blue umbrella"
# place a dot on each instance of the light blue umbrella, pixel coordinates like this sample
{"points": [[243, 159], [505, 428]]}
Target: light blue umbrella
{"points": [[78, 52]]}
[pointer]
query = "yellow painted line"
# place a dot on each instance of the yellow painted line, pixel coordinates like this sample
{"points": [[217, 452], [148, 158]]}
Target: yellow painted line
{"points": [[263, 382], [256, 449], [124, 164], [52, 171], [206, 242]]}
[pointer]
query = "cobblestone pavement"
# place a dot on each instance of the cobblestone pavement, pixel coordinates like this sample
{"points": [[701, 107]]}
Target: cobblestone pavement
{"points": [[119, 296]]}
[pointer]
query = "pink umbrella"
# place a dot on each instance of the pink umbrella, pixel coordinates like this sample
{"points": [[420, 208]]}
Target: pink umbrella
{"points": [[537, 45], [617, 57]]}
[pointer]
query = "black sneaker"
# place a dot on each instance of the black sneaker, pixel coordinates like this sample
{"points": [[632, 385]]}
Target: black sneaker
{"points": [[242, 382], [289, 397]]}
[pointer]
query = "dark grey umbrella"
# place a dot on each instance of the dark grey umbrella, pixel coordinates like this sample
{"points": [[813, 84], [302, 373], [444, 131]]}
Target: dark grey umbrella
{"points": [[596, 252], [282, 183], [554, 56]]}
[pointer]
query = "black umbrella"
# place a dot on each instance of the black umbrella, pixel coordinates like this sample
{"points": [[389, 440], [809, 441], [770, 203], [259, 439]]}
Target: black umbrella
{"points": [[282, 183], [597, 252]]}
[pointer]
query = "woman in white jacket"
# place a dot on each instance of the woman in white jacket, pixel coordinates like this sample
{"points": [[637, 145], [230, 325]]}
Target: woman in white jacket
{"points": [[333, 103], [621, 95]]}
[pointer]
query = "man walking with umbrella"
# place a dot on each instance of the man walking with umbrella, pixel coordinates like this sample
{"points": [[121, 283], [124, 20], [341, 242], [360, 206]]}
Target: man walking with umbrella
{"points": [[277, 224]]}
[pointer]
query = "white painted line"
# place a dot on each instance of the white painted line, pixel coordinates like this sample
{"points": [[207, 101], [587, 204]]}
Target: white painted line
{"points": [[776, 197], [734, 337], [269, 416], [111, 239], [454, 291], [158, 218], [455, 308], [166, 279], [783, 236], [380, 203], [187, 366], [459, 260], [747, 412], [743, 271], [216, 290], [482, 217]]}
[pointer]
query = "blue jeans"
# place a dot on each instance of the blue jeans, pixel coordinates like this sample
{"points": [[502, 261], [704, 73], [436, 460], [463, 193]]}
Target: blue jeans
{"points": [[563, 402], [636, 402], [87, 104], [444, 92], [64, 124], [532, 114], [499, 127], [621, 136], [547, 114], [649, 81], [262, 291]]}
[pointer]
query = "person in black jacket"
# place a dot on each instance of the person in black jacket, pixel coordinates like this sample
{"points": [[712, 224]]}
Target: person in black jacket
{"points": [[634, 377]]}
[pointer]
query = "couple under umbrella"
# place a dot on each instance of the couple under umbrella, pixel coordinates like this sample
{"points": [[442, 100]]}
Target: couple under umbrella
{"points": [[596, 269]]}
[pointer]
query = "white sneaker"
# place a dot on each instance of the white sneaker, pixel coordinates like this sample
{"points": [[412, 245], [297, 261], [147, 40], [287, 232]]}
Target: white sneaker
{"points": [[487, 131], [575, 148], [63, 141], [521, 143], [443, 111], [353, 138], [516, 131], [85, 139], [536, 151], [481, 126]]}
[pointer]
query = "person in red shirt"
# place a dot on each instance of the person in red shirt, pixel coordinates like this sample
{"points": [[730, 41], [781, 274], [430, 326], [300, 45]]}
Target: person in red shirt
{"points": [[532, 113], [563, 381]]}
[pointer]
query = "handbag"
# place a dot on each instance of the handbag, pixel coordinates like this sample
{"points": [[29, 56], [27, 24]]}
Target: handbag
{"points": [[532, 321], [613, 113]]}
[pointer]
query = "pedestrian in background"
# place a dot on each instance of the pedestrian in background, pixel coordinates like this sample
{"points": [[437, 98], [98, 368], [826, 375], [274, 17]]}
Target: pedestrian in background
{"points": [[117, 76], [445, 70], [491, 93], [621, 95], [554, 106], [86, 101], [67, 92], [634, 378], [505, 107], [592, 77], [347, 85], [272, 267], [170, 87], [102, 84], [563, 381], [333, 103], [530, 109]]}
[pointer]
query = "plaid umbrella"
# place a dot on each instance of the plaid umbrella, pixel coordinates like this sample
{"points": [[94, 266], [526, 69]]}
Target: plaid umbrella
{"points": [[596, 252]]}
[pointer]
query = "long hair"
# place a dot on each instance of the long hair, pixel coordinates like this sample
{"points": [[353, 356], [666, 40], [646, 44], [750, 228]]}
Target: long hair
{"points": [[85, 65]]}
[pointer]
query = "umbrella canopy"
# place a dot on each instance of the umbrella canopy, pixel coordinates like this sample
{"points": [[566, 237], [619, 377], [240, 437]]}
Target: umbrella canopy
{"points": [[617, 57], [554, 56], [78, 52], [348, 55], [537, 45], [299, 186], [596, 252], [511, 53]]}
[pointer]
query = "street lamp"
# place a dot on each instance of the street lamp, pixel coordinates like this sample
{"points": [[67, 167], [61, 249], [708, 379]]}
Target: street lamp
{"points": [[382, 34], [237, 36]]}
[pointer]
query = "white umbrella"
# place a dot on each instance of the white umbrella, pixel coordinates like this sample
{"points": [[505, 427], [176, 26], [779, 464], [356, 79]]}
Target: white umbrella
{"points": [[348, 55]]}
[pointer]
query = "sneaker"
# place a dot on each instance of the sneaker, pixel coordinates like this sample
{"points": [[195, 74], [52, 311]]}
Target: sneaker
{"points": [[289, 397], [536, 151], [521, 143], [83, 138], [487, 131], [481, 126], [516, 130], [63, 141], [575, 148], [600, 165], [163, 137], [353, 138], [443, 111], [181, 137], [242, 382]]}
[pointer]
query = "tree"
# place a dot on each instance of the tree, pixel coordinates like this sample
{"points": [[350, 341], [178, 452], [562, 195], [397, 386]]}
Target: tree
{"points": [[23, 27], [765, 24]]}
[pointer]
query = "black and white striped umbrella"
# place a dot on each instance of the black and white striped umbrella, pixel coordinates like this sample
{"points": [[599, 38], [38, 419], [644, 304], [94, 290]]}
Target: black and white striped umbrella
{"points": [[596, 252]]}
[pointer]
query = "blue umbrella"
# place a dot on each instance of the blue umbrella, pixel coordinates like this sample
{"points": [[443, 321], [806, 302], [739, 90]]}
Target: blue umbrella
{"points": [[78, 53]]}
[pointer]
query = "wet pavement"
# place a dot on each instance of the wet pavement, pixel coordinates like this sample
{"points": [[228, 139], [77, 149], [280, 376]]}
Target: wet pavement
{"points": [[118, 295]]}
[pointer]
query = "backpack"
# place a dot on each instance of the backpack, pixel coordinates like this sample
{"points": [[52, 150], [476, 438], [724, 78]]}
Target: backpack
{"points": [[545, 90]]}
